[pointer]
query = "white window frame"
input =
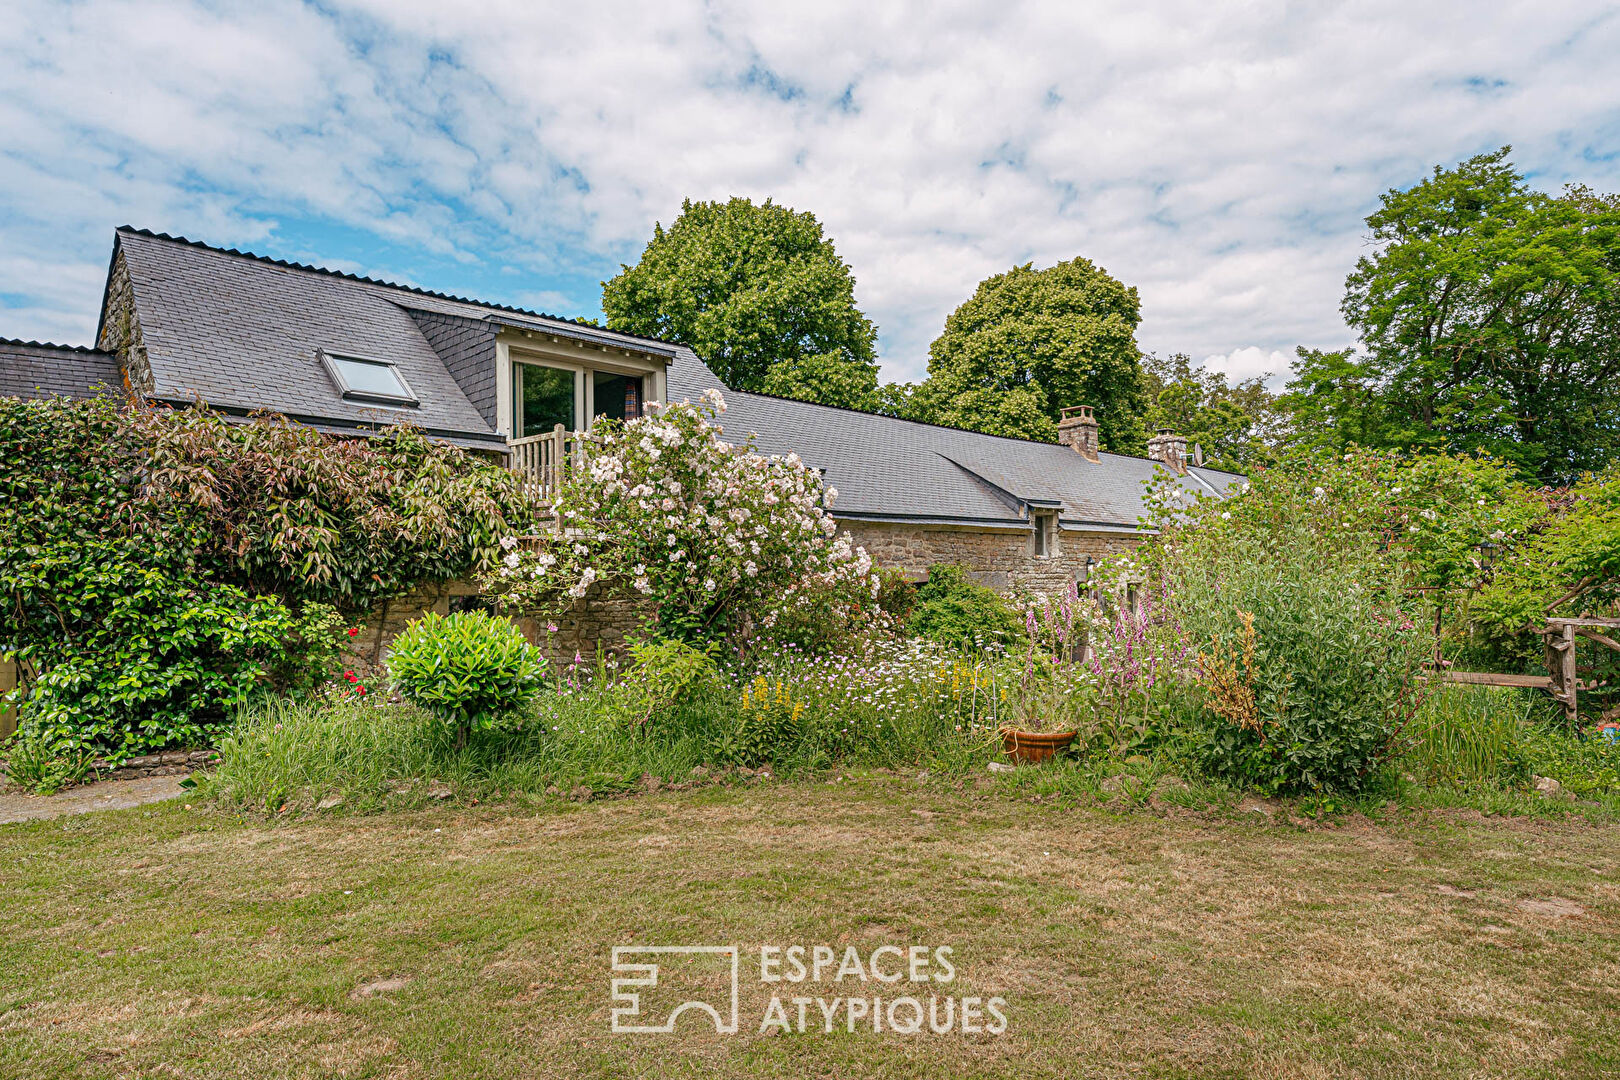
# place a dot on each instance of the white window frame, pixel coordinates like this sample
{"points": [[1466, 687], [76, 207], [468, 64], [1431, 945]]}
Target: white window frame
{"points": [[582, 392], [328, 359], [533, 347]]}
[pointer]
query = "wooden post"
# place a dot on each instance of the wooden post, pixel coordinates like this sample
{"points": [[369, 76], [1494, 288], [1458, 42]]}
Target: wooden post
{"points": [[1560, 639], [559, 461], [1571, 681]]}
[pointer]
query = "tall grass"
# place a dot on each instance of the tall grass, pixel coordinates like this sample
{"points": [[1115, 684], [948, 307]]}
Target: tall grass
{"points": [[909, 710], [281, 754], [1473, 735]]}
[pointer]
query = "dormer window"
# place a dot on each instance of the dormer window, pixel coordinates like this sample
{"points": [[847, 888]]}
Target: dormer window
{"points": [[361, 378], [546, 380]]}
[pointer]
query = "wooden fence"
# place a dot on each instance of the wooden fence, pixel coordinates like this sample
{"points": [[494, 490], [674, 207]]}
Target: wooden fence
{"points": [[1562, 680]]}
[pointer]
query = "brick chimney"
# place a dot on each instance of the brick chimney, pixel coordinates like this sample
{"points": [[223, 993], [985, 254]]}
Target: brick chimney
{"points": [[1169, 448], [1077, 429]]}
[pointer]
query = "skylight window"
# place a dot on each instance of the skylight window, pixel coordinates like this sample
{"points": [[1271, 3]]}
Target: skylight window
{"points": [[361, 378]]}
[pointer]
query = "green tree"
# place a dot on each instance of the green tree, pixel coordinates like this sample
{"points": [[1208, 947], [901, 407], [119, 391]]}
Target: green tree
{"points": [[1029, 343], [1490, 314], [827, 379], [749, 287], [1239, 426], [1336, 399]]}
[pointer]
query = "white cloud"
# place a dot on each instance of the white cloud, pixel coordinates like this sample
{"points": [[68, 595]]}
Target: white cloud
{"points": [[1252, 362], [1219, 157]]}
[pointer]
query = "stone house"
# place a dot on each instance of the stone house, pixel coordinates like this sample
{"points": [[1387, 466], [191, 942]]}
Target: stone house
{"points": [[183, 322]]}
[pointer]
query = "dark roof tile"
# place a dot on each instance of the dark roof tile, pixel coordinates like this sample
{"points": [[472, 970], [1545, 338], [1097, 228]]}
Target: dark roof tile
{"points": [[40, 369], [885, 467]]}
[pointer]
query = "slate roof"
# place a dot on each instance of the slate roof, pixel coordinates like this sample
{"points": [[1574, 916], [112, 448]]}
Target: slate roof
{"points": [[240, 332], [39, 369], [900, 470]]}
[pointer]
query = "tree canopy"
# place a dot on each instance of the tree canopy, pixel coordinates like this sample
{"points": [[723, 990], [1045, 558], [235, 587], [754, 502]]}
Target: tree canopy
{"points": [[1490, 317], [1238, 425], [750, 287], [1030, 342]]}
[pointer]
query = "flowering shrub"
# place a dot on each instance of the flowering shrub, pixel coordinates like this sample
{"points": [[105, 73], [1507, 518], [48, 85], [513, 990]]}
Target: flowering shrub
{"points": [[718, 536], [1137, 657], [771, 723], [1307, 644], [469, 669]]}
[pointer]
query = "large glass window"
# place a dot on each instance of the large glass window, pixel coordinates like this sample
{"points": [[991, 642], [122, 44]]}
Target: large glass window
{"points": [[543, 397], [618, 397]]}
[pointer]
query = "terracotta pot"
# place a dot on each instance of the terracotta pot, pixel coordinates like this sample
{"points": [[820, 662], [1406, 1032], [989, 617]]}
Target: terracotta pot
{"points": [[1032, 747]]}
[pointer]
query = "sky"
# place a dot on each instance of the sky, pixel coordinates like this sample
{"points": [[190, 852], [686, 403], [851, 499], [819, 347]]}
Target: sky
{"points": [[1220, 157]]}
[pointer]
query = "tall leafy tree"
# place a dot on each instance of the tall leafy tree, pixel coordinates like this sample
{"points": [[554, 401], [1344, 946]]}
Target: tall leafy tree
{"points": [[1490, 315], [1030, 342], [1336, 399], [827, 379], [749, 287], [1239, 426]]}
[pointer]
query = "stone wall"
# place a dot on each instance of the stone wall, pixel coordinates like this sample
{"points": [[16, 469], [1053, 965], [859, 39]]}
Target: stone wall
{"points": [[168, 763], [121, 328], [1003, 559], [591, 622]]}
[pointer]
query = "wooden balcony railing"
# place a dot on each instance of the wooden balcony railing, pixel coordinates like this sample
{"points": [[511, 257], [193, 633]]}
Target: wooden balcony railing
{"points": [[544, 461]]}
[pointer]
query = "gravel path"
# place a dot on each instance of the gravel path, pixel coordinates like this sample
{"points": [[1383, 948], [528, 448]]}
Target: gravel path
{"points": [[107, 795]]}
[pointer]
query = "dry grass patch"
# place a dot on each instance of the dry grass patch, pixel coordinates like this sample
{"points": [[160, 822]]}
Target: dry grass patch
{"points": [[475, 943]]}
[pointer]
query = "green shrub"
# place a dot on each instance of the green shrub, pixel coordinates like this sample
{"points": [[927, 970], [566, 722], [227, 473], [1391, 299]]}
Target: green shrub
{"points": [[168, 667], [1587, 765], [1305, 647], [771, 725], [43, 764], [171, 564], [667, 672], [130, 637], [952, 609], [470, 669]]}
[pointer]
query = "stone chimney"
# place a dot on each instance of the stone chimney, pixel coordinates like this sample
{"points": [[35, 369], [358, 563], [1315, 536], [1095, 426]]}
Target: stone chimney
{"points": [[1077, 429], [1169, 448]]}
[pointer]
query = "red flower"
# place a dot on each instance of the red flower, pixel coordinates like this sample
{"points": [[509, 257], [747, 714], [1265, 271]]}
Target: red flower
{"points": [[360, 689], [349, 675]]}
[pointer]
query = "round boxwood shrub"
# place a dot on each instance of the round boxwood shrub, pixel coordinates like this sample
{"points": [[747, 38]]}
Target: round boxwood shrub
{"points": [[469, 669], [953, 609]]}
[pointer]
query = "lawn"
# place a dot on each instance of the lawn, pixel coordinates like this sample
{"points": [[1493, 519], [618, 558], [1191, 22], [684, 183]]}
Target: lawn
{"points": [[475, 941]]}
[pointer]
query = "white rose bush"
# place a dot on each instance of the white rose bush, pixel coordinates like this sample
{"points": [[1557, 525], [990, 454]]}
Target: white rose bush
{"points": [[719, 537]]}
